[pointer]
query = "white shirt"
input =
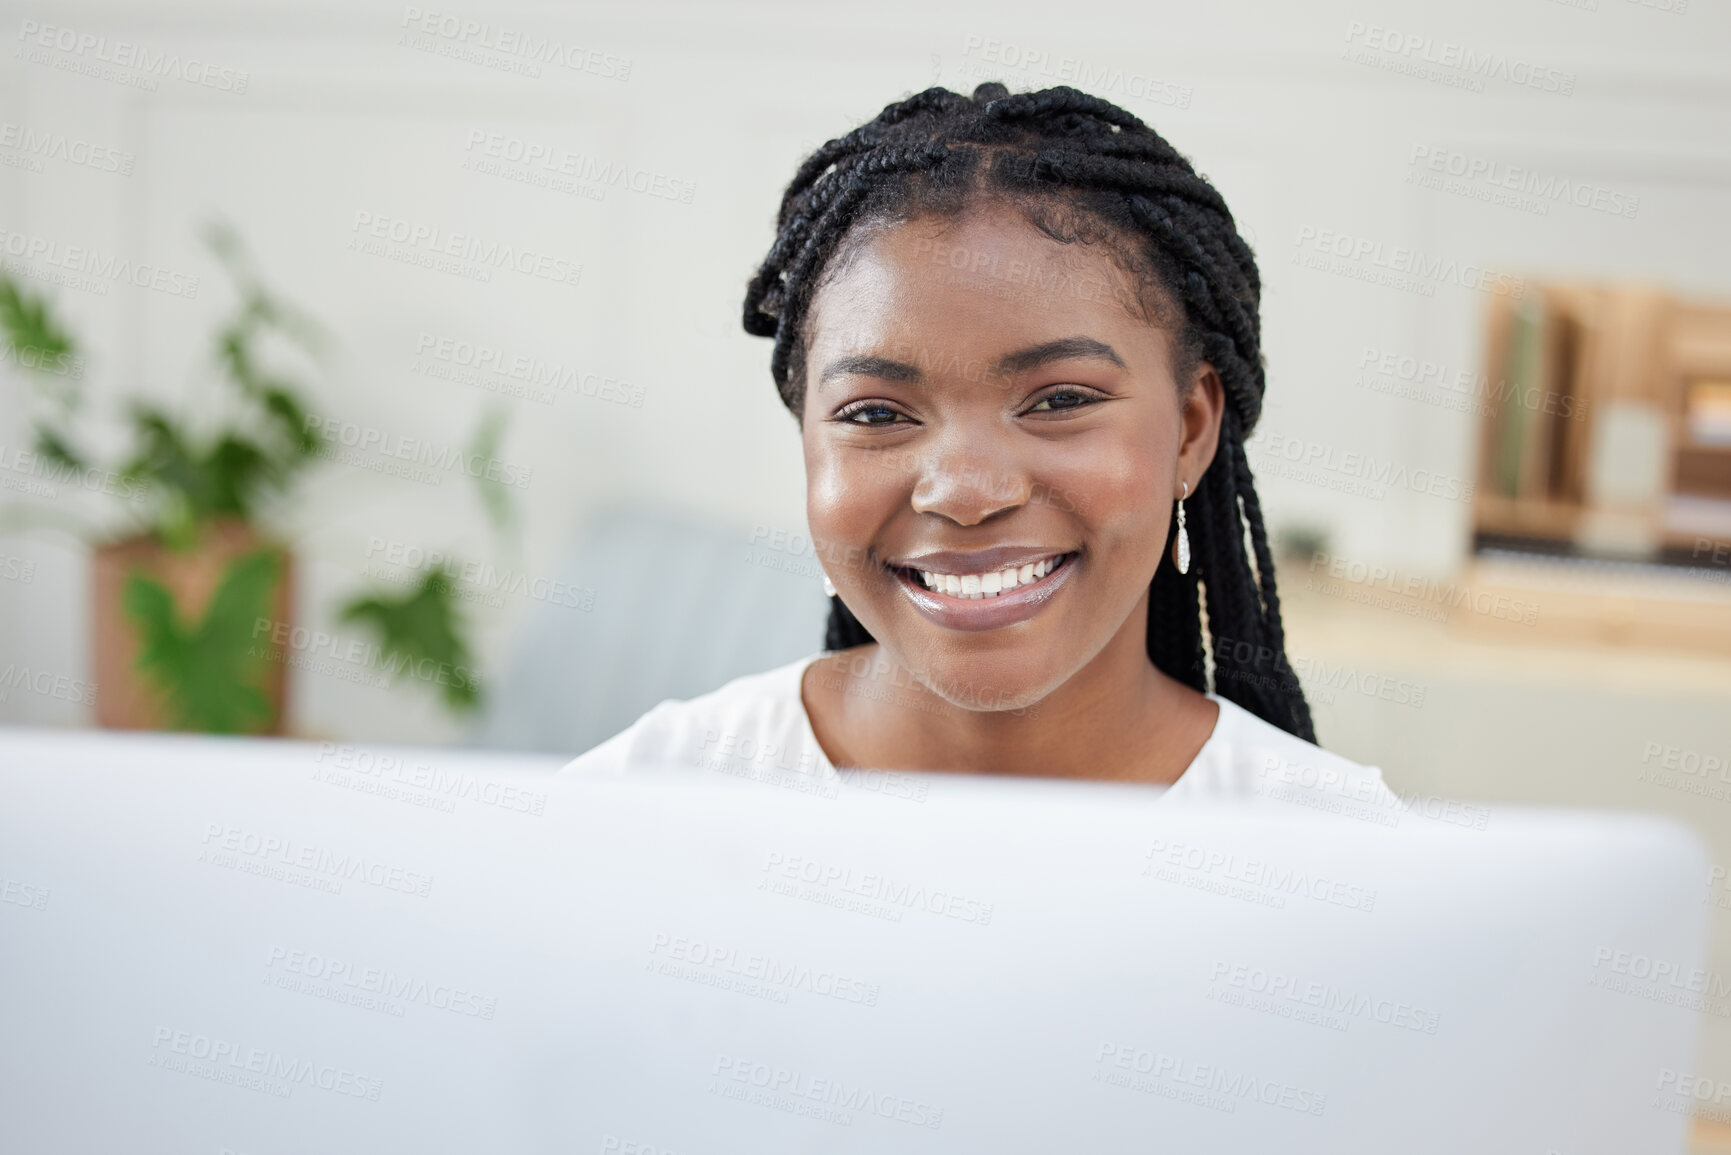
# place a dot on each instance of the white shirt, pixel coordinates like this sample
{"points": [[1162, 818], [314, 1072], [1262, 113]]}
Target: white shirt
{"points": [[756, 727]]}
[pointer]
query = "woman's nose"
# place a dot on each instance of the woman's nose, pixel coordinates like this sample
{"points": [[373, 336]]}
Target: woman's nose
{"points": [[967, 486]]}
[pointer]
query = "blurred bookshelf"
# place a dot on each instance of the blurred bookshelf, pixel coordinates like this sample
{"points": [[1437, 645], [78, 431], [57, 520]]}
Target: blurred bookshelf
{"points": [[1604, 469], [1608, 428]]}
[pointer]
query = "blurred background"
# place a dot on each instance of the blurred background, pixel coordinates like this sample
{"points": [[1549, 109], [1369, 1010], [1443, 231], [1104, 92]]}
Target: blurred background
{"points": [[375, 373]]}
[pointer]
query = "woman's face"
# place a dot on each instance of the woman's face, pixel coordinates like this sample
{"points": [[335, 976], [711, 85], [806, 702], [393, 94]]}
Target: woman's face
{"points": [[981, 404]]}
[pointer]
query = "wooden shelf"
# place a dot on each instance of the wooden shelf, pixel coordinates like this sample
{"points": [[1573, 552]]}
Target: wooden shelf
{"points": [[1509, 517], [1604, 603], [1586, 439]]}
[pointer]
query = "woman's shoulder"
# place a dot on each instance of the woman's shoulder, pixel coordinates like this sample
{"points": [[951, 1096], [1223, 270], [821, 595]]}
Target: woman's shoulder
{"points": [[1250, 758], [756, 719]]}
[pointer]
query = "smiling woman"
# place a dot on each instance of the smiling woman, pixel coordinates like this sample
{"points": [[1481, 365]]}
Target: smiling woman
{"points": [[1020, 335]]}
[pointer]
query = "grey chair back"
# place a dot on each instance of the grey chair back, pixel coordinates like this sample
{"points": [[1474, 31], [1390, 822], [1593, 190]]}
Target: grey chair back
{"points": [[679, 608]]}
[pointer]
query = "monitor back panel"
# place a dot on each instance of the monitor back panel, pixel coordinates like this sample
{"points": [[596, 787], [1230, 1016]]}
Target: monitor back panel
{"points": [[270, 948]]}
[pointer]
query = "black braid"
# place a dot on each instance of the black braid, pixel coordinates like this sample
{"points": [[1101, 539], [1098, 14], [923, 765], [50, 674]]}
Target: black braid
{"points": [[1063, 157]]}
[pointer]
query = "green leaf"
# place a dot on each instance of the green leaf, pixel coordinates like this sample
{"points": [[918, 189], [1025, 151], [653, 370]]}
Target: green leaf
{"points": [[36, 341], [52, 445], [291, 417], [29, 328], [420, 626], [235, 472], [495, 498], [225, 480], [208, 671]]}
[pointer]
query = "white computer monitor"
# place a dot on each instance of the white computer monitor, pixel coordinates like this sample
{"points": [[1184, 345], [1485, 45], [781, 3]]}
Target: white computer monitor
{"points": [[214, 946]]}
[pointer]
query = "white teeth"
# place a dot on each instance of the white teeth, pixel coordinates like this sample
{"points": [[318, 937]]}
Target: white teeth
{"points": [[987, 585]]}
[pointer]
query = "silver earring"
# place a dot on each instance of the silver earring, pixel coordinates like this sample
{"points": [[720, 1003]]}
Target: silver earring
{"points": [[828, 587], [1181, 544]]}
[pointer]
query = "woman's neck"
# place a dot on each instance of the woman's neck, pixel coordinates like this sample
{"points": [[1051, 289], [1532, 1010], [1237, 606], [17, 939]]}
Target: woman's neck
{"points": [[1117, 718]]}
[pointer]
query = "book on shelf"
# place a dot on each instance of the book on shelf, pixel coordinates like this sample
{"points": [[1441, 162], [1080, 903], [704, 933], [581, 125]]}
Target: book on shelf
{"points": [[1529, 399]]}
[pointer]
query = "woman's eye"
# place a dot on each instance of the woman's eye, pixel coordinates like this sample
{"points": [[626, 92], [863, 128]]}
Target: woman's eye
{"points": [[1062, 400], [868, 414]]}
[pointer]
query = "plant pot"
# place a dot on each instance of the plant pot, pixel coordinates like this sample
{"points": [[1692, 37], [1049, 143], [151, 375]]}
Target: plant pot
{"points": [[133, 698]]}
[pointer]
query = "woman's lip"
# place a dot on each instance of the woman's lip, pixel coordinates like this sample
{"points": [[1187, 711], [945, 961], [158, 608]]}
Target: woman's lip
{"points": [[986, 613]]}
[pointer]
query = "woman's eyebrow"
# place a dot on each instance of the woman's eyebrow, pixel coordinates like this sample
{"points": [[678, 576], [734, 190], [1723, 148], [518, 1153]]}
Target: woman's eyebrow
{"points": [[889, 369], [1063, 349], [883, 368]]}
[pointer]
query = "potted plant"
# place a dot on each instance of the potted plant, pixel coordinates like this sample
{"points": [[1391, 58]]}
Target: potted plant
{"points": [[184, 576]]}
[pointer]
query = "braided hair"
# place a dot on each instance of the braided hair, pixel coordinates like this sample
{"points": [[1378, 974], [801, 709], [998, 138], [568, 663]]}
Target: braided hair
{"points": [[1080, 169]]}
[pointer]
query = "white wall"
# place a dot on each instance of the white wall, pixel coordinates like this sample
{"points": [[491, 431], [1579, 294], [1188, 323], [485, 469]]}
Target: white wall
{"points": [[339, 118]]}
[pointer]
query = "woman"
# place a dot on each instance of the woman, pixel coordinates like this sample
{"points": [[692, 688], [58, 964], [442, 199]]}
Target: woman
{"points": [[1021, 338]]}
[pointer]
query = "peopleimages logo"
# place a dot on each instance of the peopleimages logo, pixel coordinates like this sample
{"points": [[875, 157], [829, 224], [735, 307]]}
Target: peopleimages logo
{"points": [[475, 580], [451, 785], [1224, 1088], [1350, 471], [343, 976], [1194, 865], [54, 473], [1704, 773], [800, 1093], [1497, 177], [988, 57], [352, 660], [583, 168], [47, 684], [224, 1061], [1472, 66], [363, 439], [779, 975], [1386, 371], [319, 863], [40, 145], [1367, 259], [23, 894], [1697, 1087], [543, 378], [1419, 588], [468, 39], [424, 244], [1287, 996], [888, 896], [1660, 980], [40, 361], [80, 261], [91, 50]]}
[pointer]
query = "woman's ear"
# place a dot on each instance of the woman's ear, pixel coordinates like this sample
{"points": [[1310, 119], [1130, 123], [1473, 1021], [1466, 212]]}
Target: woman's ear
{"points": [[1199, 424]]}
